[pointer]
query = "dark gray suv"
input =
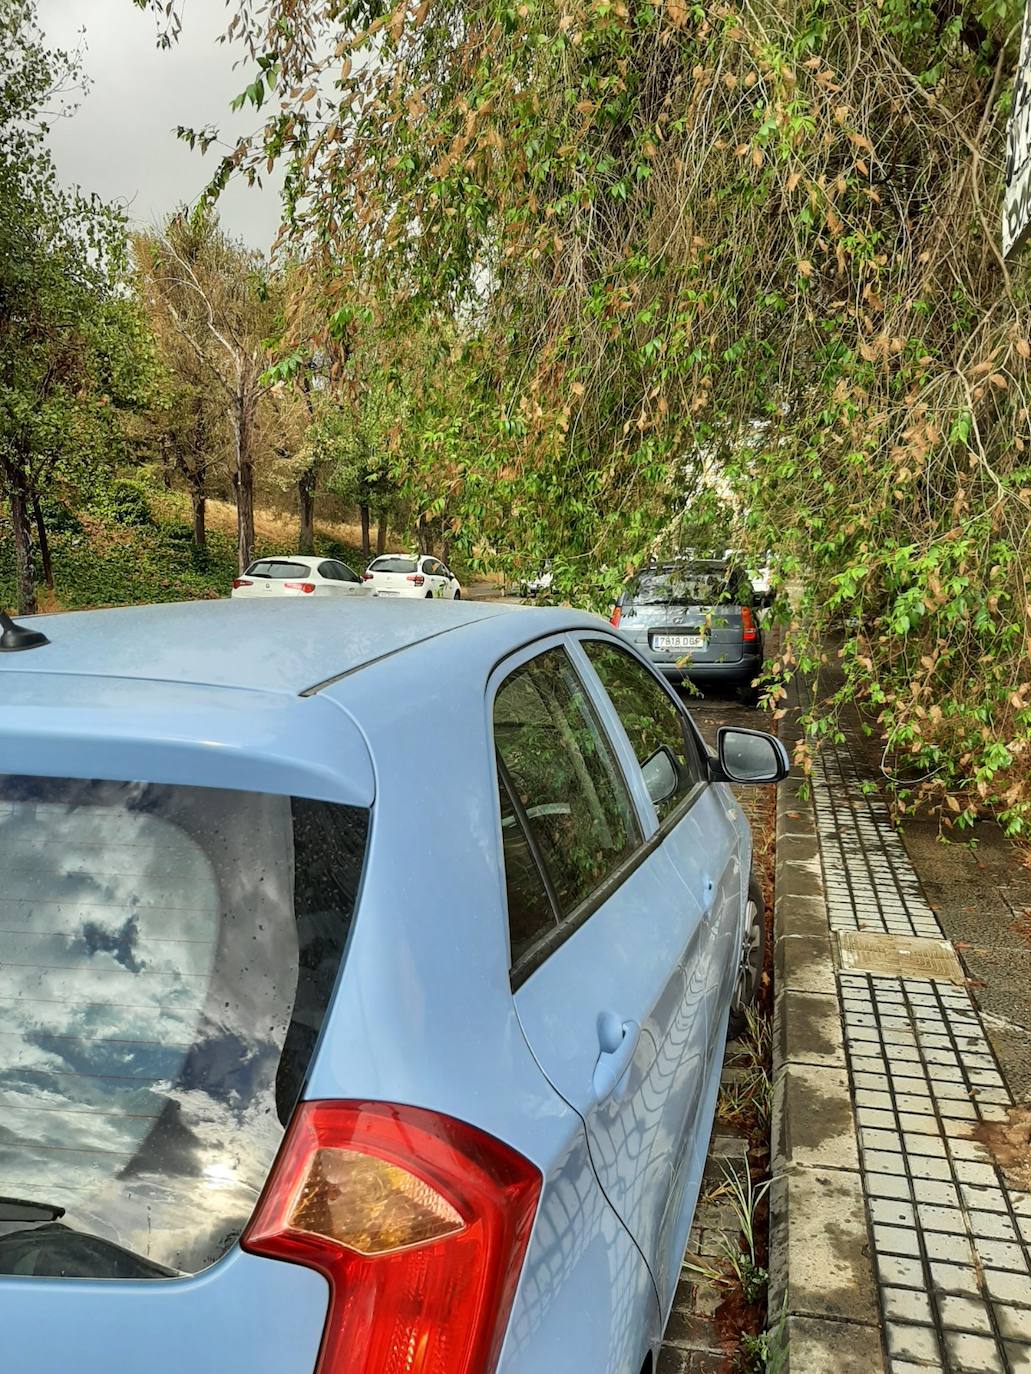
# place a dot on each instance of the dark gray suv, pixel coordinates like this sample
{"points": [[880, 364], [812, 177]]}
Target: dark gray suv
{"points": [[697, 619]]}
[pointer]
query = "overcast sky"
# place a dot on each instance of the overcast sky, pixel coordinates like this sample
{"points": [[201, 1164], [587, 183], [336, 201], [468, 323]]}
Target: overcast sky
{"points": [[121, 142]]}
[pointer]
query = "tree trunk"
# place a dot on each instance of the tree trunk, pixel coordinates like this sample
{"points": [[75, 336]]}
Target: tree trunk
{"points": [[243, 476], [425, 535], [24, 565], [199, 502], [43, 541], [363, 512], [381, 534], [306, 502]]}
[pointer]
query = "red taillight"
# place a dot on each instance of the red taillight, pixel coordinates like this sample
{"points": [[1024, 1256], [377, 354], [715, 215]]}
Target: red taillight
{"points": [[366, 577], [307, 587], [241, 582], [616, 616], [420, 1224], [417, 578], [748, 630]]}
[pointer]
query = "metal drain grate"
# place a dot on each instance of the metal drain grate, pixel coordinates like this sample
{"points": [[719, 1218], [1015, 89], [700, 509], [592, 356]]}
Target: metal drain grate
{"points": [[898, 956]]}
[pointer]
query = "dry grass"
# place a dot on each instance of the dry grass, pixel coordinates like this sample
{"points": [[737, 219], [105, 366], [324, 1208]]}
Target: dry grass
{"points": [[274, 527]]}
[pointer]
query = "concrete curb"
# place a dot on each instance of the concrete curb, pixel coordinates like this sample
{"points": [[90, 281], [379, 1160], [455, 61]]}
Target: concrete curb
{"points": [[823, 1291]]}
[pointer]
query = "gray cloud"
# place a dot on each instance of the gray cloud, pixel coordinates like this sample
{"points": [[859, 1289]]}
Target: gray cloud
{"points": [[121, 141]]}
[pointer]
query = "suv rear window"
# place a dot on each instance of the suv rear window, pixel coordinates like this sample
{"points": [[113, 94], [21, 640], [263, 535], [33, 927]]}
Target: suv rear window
{"points": [[168, 957], [393, 565], [681, 587], [275, 568]]}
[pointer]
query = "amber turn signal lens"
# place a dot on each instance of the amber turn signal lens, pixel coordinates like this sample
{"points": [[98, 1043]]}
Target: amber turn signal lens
{"points": [[369, 1205]]}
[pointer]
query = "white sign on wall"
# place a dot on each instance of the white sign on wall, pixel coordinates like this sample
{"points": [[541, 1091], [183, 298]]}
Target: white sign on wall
{"points": [[1016, 205]]}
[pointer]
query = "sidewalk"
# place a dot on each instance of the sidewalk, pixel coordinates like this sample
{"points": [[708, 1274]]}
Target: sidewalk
{"points": [[898, 1243]]}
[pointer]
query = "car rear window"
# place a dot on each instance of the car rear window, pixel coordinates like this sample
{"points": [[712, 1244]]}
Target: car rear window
{"points": [[393, 565], [683, 587], [277, 568], [167, 955]]}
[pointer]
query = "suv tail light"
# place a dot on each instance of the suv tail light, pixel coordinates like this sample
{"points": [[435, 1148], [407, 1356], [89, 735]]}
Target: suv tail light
{"points": [[366, 577], [300, 586], [616, 616], [417, 578], [748, 629], [420, 1224], [242, 582]]}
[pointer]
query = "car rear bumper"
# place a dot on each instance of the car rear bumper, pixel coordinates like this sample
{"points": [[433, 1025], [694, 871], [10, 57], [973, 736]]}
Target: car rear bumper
{"points": [[741, 670]]}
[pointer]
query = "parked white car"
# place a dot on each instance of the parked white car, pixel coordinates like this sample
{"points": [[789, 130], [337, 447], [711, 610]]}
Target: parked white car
{"points": [[300, 575], [540, 582], [412, 574]]}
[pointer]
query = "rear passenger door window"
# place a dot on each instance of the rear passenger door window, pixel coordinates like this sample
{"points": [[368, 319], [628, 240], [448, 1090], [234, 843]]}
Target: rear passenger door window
{"points": [[532, 916], [568, 792], [659, 733]]}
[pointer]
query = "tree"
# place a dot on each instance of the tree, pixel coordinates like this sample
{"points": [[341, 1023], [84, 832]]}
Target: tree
{"points": [[184, 429], [290, 413], [215, 296], [673, 238], [73, 352]]}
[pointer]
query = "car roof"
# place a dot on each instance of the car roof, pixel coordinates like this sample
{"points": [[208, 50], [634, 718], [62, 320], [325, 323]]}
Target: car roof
{"points": [[288, 558], [276, 646], [687, 565]]}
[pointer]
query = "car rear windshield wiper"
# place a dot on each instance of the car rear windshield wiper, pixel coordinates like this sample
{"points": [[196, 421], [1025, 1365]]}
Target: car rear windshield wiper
{"points": [[21, 1209]]}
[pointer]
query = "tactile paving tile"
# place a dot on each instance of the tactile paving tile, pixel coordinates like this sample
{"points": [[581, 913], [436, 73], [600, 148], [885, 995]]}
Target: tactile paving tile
{"points": [[868, 880], [952, 1242]]}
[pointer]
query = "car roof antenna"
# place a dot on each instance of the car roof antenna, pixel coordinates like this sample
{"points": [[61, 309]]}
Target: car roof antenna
{"points": [[16, 637]]}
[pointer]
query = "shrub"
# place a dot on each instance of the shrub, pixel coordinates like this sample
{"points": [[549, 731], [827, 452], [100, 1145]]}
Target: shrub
{"points": [[129, 502]]}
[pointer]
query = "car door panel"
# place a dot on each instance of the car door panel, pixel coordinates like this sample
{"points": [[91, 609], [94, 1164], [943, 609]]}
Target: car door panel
{"points": [[627, 961], [709, 849], [646, 717], [614, 1020]]}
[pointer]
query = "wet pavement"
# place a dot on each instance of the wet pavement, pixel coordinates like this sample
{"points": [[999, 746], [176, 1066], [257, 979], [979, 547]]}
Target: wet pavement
{"points": [[979, 889], [950, 1223], [982, 898]]}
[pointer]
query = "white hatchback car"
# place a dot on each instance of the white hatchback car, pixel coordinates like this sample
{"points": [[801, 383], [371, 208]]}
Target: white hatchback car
{"points": [[300, 575], [412, 574]]}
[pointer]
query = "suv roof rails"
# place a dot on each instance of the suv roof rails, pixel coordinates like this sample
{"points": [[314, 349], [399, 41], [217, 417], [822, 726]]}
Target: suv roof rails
{"points": [[16, 638]]}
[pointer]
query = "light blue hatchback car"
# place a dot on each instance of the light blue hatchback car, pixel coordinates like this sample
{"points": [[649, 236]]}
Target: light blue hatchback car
{"points": [[365, 973]]}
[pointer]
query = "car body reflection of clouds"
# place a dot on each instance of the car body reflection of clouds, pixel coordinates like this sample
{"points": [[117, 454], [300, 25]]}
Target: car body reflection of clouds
{"points": [[150, 964]]}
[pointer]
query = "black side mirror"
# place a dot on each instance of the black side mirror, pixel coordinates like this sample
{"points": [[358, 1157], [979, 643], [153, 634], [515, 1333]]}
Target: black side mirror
{"points": [[749, 756]]}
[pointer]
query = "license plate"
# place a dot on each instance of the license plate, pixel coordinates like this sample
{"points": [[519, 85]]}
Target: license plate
{"points": [[678, 642]]}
